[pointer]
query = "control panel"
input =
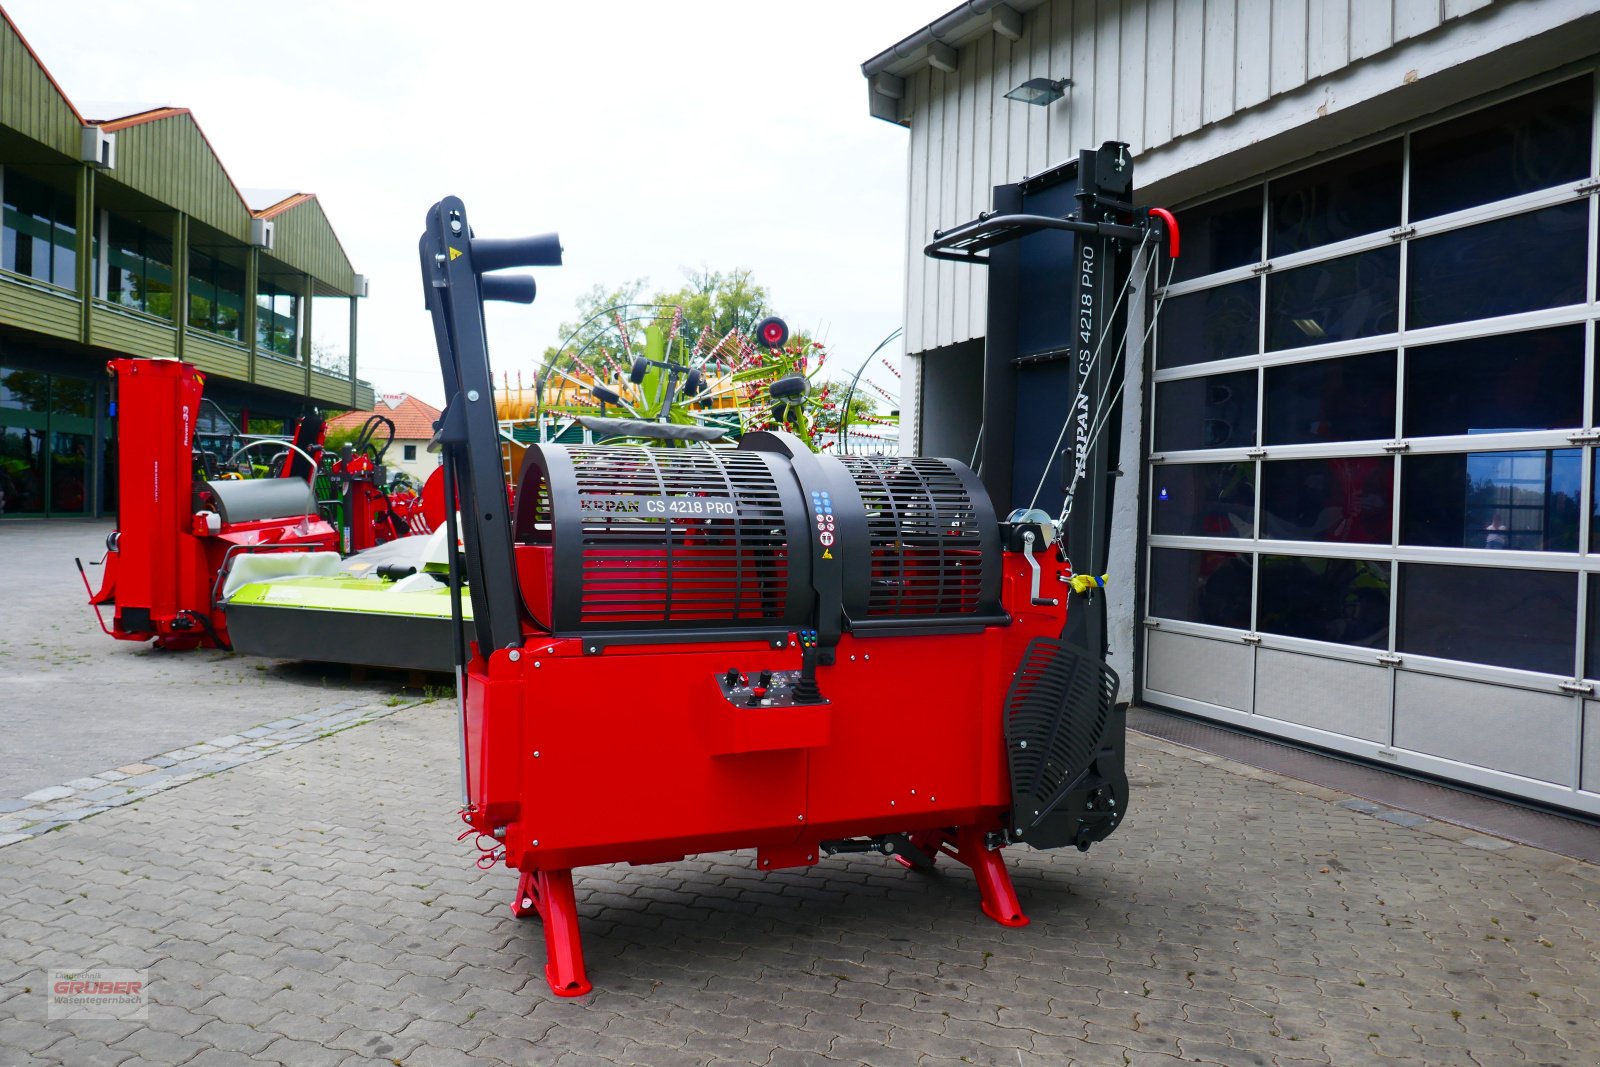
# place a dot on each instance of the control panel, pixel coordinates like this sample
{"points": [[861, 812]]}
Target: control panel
{"points": [[764, 689]]}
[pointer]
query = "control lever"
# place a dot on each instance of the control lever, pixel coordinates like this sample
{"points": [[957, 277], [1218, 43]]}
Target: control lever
{"points": [[1033, 565]]}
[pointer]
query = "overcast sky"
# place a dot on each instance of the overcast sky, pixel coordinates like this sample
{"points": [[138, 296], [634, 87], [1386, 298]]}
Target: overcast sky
{"points": [[653, 136]]}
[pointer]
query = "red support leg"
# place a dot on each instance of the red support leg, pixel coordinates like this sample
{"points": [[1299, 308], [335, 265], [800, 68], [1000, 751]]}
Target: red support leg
{"points": [[1000, 901], [548, 895]]}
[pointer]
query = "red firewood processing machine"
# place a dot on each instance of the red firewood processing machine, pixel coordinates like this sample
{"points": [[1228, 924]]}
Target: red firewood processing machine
{"points": [[676, 650]]}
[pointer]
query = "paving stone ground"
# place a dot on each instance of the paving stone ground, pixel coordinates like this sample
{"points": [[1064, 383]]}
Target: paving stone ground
{"points": [[313, 907], [74, 702]]}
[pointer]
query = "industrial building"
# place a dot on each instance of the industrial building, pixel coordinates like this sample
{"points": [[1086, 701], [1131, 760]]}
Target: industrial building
{"points": [[1358, 503], [123, 234]]}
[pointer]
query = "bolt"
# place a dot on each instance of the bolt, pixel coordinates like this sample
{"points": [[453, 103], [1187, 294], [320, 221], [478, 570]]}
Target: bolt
{"points": [[527, 902], [933, 800], [868, 656], [1022, 744], [891, 803], [593, 648], [455, 225], [472, 394], [913, 792], [809, 858], [535, 753], [439, 257], [499, 833], [852, 659], [515, 655], [536, 663], [802, 818]]}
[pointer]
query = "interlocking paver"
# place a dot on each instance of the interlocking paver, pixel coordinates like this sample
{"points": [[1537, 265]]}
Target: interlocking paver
{"points": [[313, 908]]}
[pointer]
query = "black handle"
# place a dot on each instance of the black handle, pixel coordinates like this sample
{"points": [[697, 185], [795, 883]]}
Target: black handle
{"points": [[498, 253], [510, 288]]}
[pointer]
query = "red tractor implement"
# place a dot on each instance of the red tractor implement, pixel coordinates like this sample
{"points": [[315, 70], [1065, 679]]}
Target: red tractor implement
{"points": [[180, 536], [687, 648]]}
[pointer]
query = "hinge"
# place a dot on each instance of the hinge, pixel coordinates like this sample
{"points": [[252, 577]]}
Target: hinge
{"points": [[1251, 639], [1585, 188], [1584, 437], [1152, 624], [1389, 659], [1155, 457], [1397, 446], [1261, 268], [1402, 232], [1257, 453], [1576, 686]]}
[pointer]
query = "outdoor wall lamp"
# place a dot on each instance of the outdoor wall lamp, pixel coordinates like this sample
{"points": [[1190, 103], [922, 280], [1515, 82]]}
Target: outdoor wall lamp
{"points": [[1040, 91]]}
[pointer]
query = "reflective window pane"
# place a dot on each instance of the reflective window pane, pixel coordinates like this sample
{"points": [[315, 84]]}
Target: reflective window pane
{"points": [[1524, 501], [1519, 381], [1207, 587], [1340, 600], [1348, 399], [1591, 654], [1221, 234], [1345, 197], [1215, 411], [1352, 296], [24, 390], [1523, 263], [1211, 324], [1501, 616], [1342, 500], [1531, 142], [21, 470], [1203, 499]]}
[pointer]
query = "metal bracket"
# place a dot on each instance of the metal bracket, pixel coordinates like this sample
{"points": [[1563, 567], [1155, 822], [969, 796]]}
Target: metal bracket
{"points": [[1251, 639], [1393, 447], [1261, 268], [1576, 686], [1584, 437], [1402, 232], [1152, 624], [1585, 188], [1389, 659], [1257, 453]]}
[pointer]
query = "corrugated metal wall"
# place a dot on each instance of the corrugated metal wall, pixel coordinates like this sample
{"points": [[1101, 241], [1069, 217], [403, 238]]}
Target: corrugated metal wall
{"points": [[1150, 72], [29, 103], [307, 242], [169, 160]]}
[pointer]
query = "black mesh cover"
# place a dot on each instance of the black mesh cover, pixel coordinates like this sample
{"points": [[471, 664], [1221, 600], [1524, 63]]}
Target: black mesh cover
{"points": [[645, 538], [934, 543]]}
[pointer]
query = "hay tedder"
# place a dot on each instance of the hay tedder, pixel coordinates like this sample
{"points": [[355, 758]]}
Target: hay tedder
{"points": [[685, 648]]}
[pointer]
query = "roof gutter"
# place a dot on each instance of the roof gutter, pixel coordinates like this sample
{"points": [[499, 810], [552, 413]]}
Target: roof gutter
{"points": [[885, 89]]}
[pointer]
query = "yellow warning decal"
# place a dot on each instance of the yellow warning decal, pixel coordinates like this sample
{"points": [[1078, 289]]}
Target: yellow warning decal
{"points": [[455, 254], [827, 553]]}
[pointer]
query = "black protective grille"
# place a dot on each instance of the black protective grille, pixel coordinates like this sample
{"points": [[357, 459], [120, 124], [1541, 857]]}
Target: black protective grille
{"points": [[927, 536], [649, 536], [1056, 715]]}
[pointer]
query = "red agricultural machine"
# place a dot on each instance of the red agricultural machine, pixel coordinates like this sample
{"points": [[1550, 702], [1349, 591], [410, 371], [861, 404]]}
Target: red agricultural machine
{"points": [[179, 537], [687, 648]]}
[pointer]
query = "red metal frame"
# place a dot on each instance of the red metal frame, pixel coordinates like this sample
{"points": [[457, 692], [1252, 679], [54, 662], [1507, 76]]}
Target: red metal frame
{"points": [[168, 553], [656, 763]]}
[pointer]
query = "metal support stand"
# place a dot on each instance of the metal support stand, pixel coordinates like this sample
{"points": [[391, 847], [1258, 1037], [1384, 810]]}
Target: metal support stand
{"points": [[969, 845], [547, 896]]}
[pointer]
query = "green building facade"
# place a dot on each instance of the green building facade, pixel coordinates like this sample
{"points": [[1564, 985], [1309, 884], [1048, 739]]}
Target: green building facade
{"points": [[123, 235]]}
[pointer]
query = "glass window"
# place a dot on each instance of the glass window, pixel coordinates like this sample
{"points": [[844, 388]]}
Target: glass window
{"points": [[1219, 235], [330, 335], [1498, 615], [1342, 500], [1532, 142], [216, 295], [21, 470], [278, 319], [1207, 587], [410, 453], [1214, 411], [138, 267], [24, 390], [1522, 263], [1591, 654], [1211, 324], [1336, 300], [1340, 600], [1348, 399], [38, 230], [1345, 197], [1525, 501], [1203, 499], [1531, 380]]}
